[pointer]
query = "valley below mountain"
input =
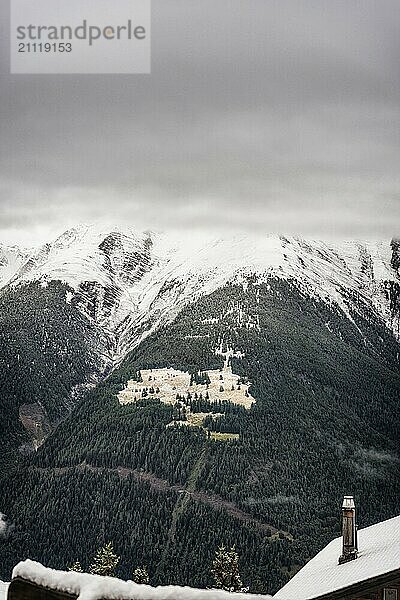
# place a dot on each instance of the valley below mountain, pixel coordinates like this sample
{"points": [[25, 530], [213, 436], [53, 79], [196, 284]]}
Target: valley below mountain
{"points": [[173, 392]]}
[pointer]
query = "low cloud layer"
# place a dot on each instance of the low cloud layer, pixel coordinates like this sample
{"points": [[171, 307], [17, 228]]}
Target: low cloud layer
{"points": [[277, 116]]}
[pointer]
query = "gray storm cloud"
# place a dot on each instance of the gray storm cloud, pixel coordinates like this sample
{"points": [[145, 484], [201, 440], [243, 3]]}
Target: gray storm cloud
{"points": [[266, 115]]}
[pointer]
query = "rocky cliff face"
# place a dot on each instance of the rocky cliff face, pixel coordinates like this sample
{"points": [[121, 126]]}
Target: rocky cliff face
{"points": [[393, 289], [11, 259]]}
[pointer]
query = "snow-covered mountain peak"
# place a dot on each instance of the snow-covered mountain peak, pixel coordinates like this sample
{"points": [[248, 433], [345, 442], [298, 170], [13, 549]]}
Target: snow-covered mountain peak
{"points": [[131, 282], [87, 253]]}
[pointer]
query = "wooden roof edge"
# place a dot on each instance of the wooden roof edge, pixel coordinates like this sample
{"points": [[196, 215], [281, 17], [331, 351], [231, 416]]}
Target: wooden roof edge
{"points": [[21, 589]]}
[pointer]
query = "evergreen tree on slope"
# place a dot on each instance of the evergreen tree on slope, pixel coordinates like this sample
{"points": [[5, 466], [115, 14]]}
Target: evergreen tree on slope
{"points": [[76, 566], [105, 561], [140, 575], [225, 570]]}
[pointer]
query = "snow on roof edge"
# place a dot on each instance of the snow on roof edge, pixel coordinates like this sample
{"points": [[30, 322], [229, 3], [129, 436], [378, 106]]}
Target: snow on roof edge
{"points": [[3, 589], [322, 575], [93, 587]]}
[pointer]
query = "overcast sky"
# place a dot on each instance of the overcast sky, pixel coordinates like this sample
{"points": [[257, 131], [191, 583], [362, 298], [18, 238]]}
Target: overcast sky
{"points": [[262, 115]]}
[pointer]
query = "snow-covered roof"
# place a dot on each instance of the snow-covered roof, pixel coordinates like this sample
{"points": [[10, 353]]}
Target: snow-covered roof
{"points": [[93, 587], [379, 553]]}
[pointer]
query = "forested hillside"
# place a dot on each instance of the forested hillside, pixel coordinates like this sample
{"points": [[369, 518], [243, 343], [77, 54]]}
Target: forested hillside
{"points": [[325, 423], [47, 350]]}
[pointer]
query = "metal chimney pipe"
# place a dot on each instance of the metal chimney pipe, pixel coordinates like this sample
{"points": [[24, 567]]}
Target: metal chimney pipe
{"points": [[349, 531]]}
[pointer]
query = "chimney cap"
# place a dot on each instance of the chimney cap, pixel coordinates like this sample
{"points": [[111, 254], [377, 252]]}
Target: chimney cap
{"points": [[348, 502]]}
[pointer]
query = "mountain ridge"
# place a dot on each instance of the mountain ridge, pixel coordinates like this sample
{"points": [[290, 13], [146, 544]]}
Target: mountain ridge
{"points": [[122, 286], [130, 283]]}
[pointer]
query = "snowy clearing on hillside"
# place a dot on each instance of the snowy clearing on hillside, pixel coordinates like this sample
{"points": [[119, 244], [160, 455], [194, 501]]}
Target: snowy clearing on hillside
{"points": [[166, 384]]}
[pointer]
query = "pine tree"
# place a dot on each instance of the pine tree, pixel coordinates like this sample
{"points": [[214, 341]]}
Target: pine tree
{"points": [[76, 566], [105, 561], [140, 575], [225, 570]]}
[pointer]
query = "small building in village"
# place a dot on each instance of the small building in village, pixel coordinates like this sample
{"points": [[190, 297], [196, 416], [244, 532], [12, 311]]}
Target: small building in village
{"points": [[360, 565]]}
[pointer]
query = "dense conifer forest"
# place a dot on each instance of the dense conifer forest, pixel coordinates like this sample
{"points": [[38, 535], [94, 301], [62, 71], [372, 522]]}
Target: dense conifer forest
{"points": [[324, 424], [46, 349]]}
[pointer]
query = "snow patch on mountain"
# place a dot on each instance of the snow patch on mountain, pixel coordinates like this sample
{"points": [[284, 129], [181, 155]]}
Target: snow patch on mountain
{"points": [[11, 259], [3, 525]]}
